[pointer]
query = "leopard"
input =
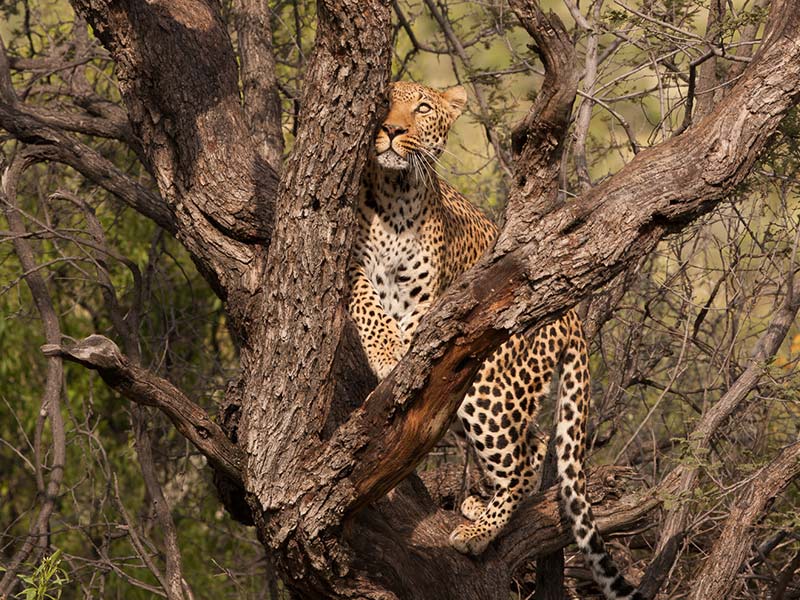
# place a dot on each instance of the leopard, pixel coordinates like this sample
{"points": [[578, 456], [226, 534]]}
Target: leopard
{"points": [[416, 234]]}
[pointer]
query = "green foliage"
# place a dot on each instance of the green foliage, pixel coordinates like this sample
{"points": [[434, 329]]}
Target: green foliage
{"points": [[46, 580]]}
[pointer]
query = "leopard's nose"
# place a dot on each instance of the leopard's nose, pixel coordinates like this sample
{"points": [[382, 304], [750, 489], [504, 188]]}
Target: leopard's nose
{"points": [[393, 130]]}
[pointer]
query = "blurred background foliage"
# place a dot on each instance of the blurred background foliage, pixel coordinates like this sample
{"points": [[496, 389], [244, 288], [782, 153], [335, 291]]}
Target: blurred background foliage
{"points": [[681, 329]]}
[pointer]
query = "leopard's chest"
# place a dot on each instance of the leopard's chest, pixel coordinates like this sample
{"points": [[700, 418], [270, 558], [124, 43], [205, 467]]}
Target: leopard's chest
{"points": [[402, 264]]}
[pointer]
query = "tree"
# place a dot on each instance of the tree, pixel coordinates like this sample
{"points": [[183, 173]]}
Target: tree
{"points": [[304, 448]]}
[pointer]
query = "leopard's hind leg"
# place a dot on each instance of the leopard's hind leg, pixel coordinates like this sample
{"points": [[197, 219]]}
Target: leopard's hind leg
{"points": [[496, 414]]}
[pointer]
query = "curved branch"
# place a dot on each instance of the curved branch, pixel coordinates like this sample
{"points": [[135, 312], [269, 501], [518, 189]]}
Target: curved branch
{"points": [[538, 140], [46, 143], [539, 529], [407, 524], [44, 133], [139, 385]]}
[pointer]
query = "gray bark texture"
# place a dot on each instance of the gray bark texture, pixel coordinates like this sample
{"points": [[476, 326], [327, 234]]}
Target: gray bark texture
{"points": [[318, 460]]}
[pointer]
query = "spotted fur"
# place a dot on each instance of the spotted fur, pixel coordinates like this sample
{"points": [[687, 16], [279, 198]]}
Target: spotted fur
{"points": [[416, 234]]}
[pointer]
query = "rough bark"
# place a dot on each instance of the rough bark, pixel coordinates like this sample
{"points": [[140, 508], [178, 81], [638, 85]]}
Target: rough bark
{"points": [[276, 249], [179, 80], [717, 578], [287, 388], [262, 105]]}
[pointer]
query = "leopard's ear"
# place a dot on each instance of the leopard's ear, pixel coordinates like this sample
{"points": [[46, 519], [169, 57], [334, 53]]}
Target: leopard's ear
{"points": [[456, 97]]}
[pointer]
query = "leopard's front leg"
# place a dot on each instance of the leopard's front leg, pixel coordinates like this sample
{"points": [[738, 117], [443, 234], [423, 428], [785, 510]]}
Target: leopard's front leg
{"points": [[379, 333]]}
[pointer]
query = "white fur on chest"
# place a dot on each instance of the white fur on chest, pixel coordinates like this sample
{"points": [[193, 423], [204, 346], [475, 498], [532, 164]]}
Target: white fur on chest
{"points": [[400, 268]]}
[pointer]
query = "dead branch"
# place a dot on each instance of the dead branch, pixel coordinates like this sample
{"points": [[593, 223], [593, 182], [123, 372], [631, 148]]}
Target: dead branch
{"points": [[51, 397], [98, 353], [717, 578], [700, 439]]}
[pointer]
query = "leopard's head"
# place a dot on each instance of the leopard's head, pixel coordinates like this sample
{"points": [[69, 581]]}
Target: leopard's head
{"points": [[417, 124]]}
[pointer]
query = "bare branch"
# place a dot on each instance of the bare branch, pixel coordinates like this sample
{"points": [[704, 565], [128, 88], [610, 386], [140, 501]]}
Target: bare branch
{"points": [[539, 529], [717, 578], [708, 78], [770, 342], [584, 115], [127, 327], [138, 385], [538, 141], [51, 397], [43, 131], [483, 113]]}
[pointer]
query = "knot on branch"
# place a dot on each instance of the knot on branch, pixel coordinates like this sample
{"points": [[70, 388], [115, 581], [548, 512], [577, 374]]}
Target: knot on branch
{"points": [[94, 352], [610, 482]]}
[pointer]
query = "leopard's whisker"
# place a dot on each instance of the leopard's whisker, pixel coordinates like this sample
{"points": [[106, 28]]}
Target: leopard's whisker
{"points": [[432, 156], [434, 159], [429, 175]]}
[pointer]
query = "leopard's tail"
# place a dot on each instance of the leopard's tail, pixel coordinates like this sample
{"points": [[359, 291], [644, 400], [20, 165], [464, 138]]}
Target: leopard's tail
{"points": [[573, 407]]}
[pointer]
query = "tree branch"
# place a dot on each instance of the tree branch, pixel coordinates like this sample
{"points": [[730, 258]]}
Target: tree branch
{"points": [[51, 397], [408, 523], [538, 529], [262, 105], [717, 578], [49, 142], [700, 439], [307, 261], [178, 78], [98, 353]]}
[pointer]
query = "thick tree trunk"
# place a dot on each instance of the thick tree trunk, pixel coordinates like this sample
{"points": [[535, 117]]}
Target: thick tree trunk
{"points": [[321, 482]]}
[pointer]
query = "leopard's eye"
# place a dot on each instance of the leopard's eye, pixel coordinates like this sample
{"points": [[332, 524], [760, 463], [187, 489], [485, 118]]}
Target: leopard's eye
{"points": [[424, 108]]}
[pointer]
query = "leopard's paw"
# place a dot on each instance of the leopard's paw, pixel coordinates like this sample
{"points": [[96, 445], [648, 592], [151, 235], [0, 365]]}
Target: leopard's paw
{"points": [[469, 539], [472, 507]]}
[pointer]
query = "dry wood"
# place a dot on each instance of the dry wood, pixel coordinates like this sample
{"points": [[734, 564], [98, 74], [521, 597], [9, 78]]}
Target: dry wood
{"points": [[717, 578]]}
